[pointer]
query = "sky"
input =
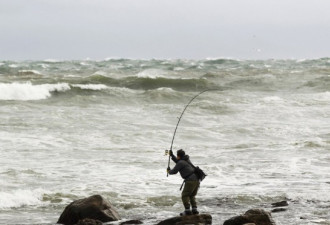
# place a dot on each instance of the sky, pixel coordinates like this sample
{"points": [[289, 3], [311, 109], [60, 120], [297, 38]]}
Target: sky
{"points": [[189, 29]]}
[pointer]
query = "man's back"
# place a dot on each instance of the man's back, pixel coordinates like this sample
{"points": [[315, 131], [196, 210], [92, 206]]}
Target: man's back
{"points": [[183, 166]]}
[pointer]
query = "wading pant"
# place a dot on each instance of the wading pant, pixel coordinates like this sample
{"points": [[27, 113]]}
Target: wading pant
{"points": [[189, 193]]}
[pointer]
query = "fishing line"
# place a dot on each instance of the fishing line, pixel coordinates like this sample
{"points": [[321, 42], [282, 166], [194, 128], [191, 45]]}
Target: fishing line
{"points": [[177, 125]]}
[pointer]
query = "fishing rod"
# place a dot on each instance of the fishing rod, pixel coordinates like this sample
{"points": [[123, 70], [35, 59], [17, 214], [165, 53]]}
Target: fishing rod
{"points": [[177, 125]]}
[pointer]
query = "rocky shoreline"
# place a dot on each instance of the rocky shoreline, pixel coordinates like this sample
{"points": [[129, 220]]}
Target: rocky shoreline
{"points": [[96, 210]]}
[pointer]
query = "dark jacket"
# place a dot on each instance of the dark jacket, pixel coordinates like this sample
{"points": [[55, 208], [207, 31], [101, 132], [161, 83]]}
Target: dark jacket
{"points": [[184, 168]]}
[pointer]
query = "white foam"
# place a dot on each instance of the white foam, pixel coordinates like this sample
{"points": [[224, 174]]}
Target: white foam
{"points": [[100, 72], [151, 73], [111, 58], [272, 99], [52, 60], [84, 64], [166, 89], [29, 72], [44, 66], [95, 87], [322, 97], [19, 198], [27, 91]]}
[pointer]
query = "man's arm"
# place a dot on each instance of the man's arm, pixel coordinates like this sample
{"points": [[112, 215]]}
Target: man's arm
{"points": [[173, 157], [176, 169]]}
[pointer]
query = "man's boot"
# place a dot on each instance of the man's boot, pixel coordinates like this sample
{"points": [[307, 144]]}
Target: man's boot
{"points": [[186, 212], [195, 211]]}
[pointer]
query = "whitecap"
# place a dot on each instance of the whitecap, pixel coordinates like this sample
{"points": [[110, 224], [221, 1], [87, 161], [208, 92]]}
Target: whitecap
{"points": [[151, 73], [28, 91], [29, 72], [44, 66], [84, 64], [322, 97], [95, 87], [100, 72], [272, 99], [52, 60], [179, 69], [19, 198]]}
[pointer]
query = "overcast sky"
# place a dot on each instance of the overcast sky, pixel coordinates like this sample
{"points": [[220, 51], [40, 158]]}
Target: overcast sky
{"points": [[97, 29]]}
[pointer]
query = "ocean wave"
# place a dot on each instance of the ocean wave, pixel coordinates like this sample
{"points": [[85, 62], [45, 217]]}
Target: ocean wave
{"points": [[58, 197], [20, 198], [29, 72], [254, 83], [220, 61], [151, 73], [28, 92], [322, 83], [272, 99], [149, 83], [95, 87], [52, 61]]}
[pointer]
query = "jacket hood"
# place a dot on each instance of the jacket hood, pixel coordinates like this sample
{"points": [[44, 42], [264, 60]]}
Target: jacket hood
{"points": [[186, 157]]}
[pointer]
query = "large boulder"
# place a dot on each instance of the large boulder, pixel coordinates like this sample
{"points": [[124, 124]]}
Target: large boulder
{"points": [[201, 219], [256, 216], [94, 207]]}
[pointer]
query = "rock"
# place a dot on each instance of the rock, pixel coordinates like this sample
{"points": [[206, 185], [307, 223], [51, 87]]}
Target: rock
{"points": [[89, 222], [280, 204], [94, 207], [256, 216], [237, 220], [276, 210], [201, 219], [133, 222]]}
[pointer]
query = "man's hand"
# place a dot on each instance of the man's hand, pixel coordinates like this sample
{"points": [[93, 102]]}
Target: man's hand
{"points": [[168, 169], [171, 153]]}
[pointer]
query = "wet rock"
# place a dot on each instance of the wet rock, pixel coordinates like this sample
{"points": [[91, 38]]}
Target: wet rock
{"points": [[276, 210], [132, 222], [89, 222], [280, 204], [256, 216], [94, 207], [201, 219]]}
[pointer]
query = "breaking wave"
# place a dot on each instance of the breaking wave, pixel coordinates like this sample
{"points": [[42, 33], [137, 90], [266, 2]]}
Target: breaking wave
{"points": [[150, 83], [95, 87], [29, 92], [20, 198], [29, 72]]}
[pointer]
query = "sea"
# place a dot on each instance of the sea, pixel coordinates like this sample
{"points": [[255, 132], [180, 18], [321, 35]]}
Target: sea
{"points": [[72, 129]]}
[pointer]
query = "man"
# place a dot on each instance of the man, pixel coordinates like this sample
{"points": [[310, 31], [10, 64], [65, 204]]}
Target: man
{"points": [[183, 165]]}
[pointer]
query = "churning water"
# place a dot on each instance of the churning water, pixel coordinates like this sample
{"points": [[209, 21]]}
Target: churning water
{"points": [[70, 129]]}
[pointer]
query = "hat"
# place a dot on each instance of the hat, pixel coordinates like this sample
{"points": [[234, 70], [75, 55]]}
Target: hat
{"points": [[180, 153]]}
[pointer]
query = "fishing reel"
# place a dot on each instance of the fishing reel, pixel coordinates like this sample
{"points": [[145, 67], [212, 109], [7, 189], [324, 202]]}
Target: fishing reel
{"points": [[167, 152]]}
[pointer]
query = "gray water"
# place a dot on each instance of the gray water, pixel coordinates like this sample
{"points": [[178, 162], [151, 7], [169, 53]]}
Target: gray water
{"points": [[70, 129]]}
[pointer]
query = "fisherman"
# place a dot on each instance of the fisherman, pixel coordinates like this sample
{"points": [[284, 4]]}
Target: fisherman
{"points": [[191, 181]]}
